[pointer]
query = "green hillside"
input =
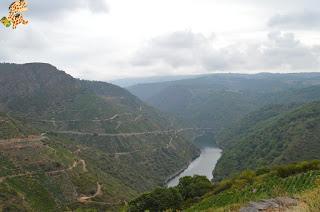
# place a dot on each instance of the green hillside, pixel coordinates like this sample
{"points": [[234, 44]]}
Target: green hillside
{"points": [[248, 114], [294, 181], [297, 183], [282, 137], [40, 173], [248, 123], [220, 100], [10, 128], [80, 144]]}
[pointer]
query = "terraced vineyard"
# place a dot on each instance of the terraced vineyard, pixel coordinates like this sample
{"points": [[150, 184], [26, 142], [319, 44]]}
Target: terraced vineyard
{"points": [[264, 187], [79, 144]]}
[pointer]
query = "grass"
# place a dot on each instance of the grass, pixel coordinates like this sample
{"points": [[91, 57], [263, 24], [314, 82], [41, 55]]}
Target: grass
{"points": [[264, 187], [33, 192]]}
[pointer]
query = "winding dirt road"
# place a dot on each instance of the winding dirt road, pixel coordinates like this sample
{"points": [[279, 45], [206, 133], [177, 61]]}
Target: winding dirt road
{"points": [[85, 199], [156, 132]]}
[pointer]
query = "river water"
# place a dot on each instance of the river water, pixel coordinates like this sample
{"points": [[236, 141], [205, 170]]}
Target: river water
{"points": [[203, 165]]}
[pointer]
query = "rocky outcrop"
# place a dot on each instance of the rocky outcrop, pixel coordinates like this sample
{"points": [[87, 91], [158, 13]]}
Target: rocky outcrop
{"points": [[280, 203]]}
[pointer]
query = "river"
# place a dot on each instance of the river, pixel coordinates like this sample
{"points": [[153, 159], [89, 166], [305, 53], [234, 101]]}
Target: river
{"points": [[203, 165]]}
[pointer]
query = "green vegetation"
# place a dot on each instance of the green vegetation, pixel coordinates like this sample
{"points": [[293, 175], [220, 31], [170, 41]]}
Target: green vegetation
{"points": [[193, 187], [161, 199], [62, 140], [278, 139], [258, 120], [291, 180], [10, 128], [262, 184], [220, 100], [73, 145]]}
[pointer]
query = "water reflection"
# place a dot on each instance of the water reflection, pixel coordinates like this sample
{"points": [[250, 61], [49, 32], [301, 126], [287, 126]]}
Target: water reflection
{"points": [[204, 164]]}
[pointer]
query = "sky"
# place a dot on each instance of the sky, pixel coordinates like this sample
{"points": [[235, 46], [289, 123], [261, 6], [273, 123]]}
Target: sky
{"points": [[112, 39]]}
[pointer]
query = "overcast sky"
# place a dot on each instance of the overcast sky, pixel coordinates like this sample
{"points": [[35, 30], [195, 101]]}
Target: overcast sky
{"points": [[109, 39]]}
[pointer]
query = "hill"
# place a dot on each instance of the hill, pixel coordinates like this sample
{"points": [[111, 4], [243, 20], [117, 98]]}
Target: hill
{"points": [[218, 101], [81, 144], [127, 82], [277, 135], [293, 187], [39, 173]]}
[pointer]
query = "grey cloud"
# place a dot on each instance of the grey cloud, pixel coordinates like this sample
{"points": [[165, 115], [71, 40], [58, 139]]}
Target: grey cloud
{"points": [[284, 51], [97, 5], [306, 20], [43, 9], [281, 51], [14, 46], [279, 4], [177, 49]]}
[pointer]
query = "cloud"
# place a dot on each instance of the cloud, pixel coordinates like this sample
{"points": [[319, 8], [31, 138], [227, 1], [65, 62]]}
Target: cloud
{"points": [[276, 4], [46, 9], [185, 49], [305, 20], [16, 48], [82, 38], [177, 49]]}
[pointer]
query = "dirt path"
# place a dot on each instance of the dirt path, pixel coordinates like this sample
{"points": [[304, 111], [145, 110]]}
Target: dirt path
{"points": [[170, 143], [113, 117], [84, 165], [118, 125], [54, 122], [73, 166], [126, 153], [85, 199], [156, 132], [138, 117]]}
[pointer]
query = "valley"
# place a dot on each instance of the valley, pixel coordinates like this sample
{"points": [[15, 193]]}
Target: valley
{"points": [[160, 106], [92, 145], [257, 120]]}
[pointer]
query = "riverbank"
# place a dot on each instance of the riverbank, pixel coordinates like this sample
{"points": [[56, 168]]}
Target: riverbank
{"points": [[170, 178]]}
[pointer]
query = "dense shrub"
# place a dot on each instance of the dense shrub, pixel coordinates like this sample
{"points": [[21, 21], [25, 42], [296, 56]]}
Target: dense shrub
{"points": [[192, 187], [160, 199], [292, 169]]}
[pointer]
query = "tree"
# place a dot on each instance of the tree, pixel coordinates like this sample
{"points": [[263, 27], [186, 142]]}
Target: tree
{"points": [[160, 199], [192, 187]]}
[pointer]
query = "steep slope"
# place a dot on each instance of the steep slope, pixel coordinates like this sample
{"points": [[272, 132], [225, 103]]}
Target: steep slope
{"points": [[10, 128], [292, 187], [127, 146], [280, 138], [218, 101], [57, 177], [248, 123]]}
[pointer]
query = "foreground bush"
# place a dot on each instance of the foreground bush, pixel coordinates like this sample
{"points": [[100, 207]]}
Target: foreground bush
{"points": [[296, 168], [160, 199], [192, 187]]}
